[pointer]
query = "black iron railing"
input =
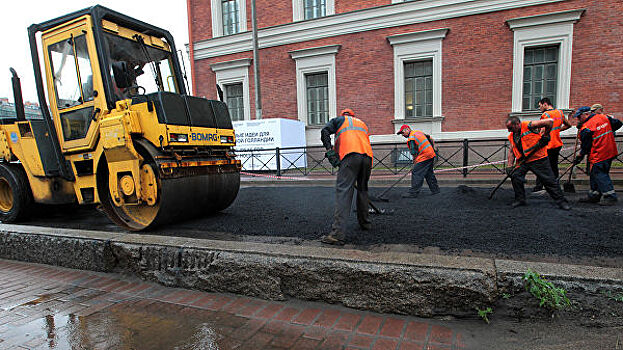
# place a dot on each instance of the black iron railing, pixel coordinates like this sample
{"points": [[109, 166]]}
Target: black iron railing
{"points": [[463, 157]]}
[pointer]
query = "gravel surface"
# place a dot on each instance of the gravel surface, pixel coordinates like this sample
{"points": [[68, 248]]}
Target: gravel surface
{"points": [[459, 220]]}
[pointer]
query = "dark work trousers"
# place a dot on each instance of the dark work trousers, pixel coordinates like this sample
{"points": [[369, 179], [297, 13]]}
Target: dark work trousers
{"points": [[355, 167], [543, 171], [553, 155], [423, 170], [600, 180]]}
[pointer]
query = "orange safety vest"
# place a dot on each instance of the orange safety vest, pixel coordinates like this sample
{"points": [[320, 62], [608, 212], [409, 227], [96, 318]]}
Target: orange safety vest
{"points": [[529, 140], [424, 148], [558, 116], [352, 137], [604, 146]]}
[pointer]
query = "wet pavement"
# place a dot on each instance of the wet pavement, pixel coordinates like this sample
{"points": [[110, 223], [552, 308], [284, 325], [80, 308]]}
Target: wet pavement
{"points": [[45, 307], [458, 221]]}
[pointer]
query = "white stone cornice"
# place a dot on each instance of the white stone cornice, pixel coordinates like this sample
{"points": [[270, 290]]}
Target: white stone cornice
{"points": [[547, 18], [418, 36], [240, 63], [315, 51], [388, 16]]}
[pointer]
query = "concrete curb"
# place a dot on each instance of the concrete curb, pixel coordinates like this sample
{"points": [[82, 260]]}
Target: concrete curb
{"points": [[395, 282]]}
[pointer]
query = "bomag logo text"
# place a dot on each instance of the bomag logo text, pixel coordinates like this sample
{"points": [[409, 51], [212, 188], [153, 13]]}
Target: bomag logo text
{"points": [[197, 136]]}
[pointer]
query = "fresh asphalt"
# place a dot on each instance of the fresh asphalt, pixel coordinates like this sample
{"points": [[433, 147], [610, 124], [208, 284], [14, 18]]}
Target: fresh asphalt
{"points": [[459, 220]]}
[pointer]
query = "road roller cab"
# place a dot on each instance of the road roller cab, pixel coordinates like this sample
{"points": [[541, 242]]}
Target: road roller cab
{"points": [[120, 131]]}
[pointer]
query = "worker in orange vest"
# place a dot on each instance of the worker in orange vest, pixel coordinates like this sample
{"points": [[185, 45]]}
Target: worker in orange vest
{"points": [[597, 137], [353, 154], [423, 153], [561, 123], [529, 152]]}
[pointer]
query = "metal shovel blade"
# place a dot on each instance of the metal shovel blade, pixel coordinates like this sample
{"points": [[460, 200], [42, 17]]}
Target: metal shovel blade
{"points": [[568, 187]]}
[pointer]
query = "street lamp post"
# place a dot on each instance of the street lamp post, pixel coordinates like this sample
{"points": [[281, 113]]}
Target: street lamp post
{"points": [[256, 64]]}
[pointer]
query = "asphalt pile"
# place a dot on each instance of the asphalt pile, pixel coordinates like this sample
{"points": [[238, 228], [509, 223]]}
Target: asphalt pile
{"points": [[457, 220]]}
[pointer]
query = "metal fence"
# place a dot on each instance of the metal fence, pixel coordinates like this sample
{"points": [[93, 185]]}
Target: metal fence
{"points": [[458, 158]]}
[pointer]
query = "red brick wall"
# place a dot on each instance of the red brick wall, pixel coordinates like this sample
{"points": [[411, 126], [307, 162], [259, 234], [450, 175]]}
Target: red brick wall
{"points": [[476, 68], [269, 13], [342, 6]]}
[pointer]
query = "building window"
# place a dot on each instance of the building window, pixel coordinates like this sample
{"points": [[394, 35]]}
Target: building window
{"points": [[235, 101], [419, 89], [542, 59], [310, 9], [417, 79], [316, 97], [314, 8], [317, 87], [228, 17], [540, 73], [233, 78]]}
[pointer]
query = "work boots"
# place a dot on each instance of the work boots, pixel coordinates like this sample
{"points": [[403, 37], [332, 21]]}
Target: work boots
{"points": [[564, 205], [590, 199], [519, 203], [608, 201]]}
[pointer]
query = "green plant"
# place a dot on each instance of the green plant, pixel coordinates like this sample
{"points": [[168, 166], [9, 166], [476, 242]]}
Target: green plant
{"points": [[616, 297], [506, 296], [549, 296], [484, 313]]}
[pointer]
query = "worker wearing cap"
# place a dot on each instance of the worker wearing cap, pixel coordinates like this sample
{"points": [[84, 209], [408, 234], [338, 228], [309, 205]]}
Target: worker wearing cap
{"points": [[353, 154], [423, 153], [597, 137], [555, 143], [529, 152]]}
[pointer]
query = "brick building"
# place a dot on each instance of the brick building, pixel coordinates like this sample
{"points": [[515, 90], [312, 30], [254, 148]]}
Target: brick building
{"points": [[455, 68]]}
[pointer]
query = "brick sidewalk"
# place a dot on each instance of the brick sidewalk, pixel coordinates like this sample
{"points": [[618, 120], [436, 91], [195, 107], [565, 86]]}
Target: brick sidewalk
{"points": [[43, 307]]}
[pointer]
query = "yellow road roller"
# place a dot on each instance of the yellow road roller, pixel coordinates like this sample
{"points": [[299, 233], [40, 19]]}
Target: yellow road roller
{"points": [[118, 127]]}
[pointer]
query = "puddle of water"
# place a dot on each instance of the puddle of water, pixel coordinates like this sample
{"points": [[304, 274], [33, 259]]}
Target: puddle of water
{"points": [[39, 300], [126, 326]]}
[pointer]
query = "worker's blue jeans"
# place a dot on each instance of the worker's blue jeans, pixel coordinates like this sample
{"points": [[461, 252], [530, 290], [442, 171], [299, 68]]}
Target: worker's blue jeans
{"points": [[601, 184], [423, 170]]}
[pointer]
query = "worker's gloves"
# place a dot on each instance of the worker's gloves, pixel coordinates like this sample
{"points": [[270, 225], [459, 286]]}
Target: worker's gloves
{"points": [[544, 140], [578, 160], [333, 158]]}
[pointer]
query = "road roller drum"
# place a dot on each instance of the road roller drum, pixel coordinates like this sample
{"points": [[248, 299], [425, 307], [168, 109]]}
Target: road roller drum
{"points": [[118, 127]]}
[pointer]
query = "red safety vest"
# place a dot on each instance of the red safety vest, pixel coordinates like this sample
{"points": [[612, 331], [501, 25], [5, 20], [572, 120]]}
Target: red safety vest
{"points": [[352, 137], [424, 148], [604, 146], [558, 116], [529, 140]]}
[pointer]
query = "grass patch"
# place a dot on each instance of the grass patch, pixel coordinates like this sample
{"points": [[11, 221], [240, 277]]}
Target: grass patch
{"points": [[549, 296]]}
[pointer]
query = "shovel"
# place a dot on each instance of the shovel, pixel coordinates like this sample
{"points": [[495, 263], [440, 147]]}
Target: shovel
{"points": [[374, 209], [512, 172], [568, 186]]}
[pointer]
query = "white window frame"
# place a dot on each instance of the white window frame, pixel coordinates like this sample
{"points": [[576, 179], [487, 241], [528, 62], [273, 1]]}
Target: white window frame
{"points": [[233, 72], [542, 30], [415, 46], [315, 60], [217, 17], [298, 10]]}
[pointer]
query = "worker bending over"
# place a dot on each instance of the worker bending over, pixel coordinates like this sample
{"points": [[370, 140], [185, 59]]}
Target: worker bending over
{"points": [[353, 154], [529, 152], [555, 143], [597, 137], [423, 154]]}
